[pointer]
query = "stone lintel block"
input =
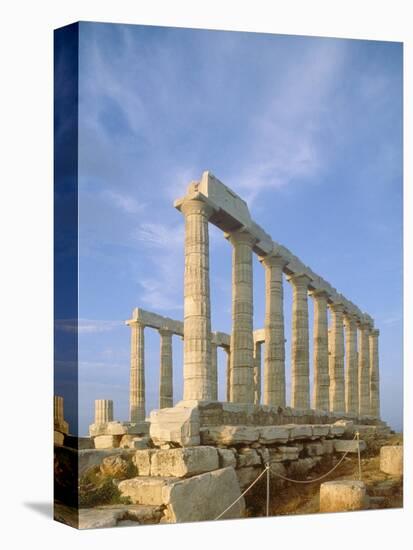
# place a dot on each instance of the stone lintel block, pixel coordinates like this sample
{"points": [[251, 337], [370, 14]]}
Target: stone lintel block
{"points": [[119, 428], [342, 495], [320, 430], [203, 497], [146, 489], [107, 441], [391, 460], [229, 435], [299, 431], [274, 434], [179, 425], [185, 462], [350, 446]]}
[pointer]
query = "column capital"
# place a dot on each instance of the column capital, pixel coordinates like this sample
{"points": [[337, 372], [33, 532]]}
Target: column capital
{"points": [[273, 260], [375, 332], [241, 236], [196, 204], [319, 293], [337, 307], [301, 280], [165, 331], [350, 318]]}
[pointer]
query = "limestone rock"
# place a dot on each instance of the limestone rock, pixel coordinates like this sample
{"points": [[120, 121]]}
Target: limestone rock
{"points": [[300, 467], [92, 518], [314, 448], [106, 441], [119, 514], [274, 434], [391, 460], [142, 461], [341, 495], [230, 435], [204, 497], [276, 469], [264, 454], [328, 446], [175, 425], [248, 457], [349, 446], [130, 441], [145, 489], [336, 430], [118, 428], [226, 458], [299, 431], [115, 466], [88, 458], [348, 426], [184, 462], [320, 430], [247, 475], [283, 453]]}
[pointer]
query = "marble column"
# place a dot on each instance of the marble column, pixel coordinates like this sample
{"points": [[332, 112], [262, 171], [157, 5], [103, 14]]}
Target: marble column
{"points": [[137, 373], [242, 364], [300, 368], [166, 370], [274, 351], [228, 377], [197, 306], [58, 410], [321, 387], [374, 373], [351, 368], [103, 411], [336, 359], [214, 372], [364, 368], [257, 373]]}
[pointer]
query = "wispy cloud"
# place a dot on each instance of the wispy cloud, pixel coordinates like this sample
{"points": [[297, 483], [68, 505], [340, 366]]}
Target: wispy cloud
{"points": [[85, 326], [123, 201]]}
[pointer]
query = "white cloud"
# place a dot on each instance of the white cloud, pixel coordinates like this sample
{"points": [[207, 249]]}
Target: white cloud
{"points": [[84, 326], [123, 201]]}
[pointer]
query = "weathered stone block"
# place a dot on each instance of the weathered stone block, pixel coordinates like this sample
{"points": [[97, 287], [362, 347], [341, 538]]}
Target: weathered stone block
{"points": [[226, 458], [175, 425], [391, 460], [248, 457], [328, 446], [336, 431], [283, 453], [88, 458], [274, 434], [130, 441], [349, 446], [314, 449], [58, 438], [340, 496], [145, 489], [203, 497], [246, 476], [115, 466], [300, 467], [142, 461], [118, 428], [299, 431], [107, 441], [184, 462], [320, 430], [348, 426], [230, 435]]}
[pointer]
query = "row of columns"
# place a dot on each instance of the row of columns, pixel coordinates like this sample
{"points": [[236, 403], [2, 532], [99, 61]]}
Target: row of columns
{"points": [[353, 387]]}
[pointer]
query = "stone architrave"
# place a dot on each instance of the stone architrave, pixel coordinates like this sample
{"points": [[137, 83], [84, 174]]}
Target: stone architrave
{"points": [[351, 367], [166, 371], [364, 369], [214, 372], [103, 411], [257, 373], [374, 373], [197, 306], [274, 351], [300, 375], [336, 358], [137, 373], [242, 362], [321, 388]]}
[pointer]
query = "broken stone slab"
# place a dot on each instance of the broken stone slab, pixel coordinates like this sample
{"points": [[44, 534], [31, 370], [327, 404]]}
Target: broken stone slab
{"points": [[226, 458], [391, 460], [119, 428], [146, 489], [274, 434], [204, 497], [107, 441], [349, 446], [229, 435], [178, 425], [342, 495], [283, 453], [130, 441], [185, 462], [248, 457]]}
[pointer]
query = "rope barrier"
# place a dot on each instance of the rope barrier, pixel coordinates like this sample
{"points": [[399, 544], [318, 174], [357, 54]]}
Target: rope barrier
{"points": [[267, 469]]}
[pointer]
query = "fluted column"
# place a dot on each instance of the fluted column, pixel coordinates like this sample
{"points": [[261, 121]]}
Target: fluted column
{"points": [[103, 411], [228, 373], [137, 373], [242, 367], [351, 369], [336, 359], [274, 351], [374, 373], [364, 369], [197, 307], [257, 373], [321, 386], [300, 368], [58, 410], [214, 371], [166, 371]]}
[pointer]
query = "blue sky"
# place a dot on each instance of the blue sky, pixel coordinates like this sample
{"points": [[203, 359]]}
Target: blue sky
{"points": [[307, 130]]}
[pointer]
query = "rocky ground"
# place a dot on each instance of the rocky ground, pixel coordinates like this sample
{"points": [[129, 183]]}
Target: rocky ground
{"points": [[287, 498]]}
